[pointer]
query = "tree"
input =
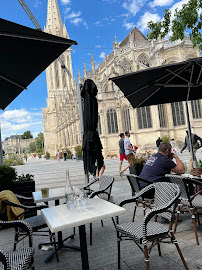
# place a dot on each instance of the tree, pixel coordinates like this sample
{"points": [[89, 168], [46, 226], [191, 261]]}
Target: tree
{"points": [[188, 19], [32, 147], [27, 135], [40, 141]]}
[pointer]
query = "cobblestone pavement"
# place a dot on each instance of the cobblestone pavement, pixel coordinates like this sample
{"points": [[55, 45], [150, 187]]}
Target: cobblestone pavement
{"points": [[103, 252]]}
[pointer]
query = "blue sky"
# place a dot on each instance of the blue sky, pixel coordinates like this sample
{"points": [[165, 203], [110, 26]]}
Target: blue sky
{"points": [[93, 24]]}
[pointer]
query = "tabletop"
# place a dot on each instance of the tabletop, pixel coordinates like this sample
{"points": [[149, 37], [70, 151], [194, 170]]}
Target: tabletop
{"points": [[54, 194], [59, 217]]}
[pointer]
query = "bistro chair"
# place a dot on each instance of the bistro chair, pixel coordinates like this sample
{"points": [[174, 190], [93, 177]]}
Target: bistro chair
{"points": [[134, 182], [103, 192], [146, 233], [37, 223], [187, 201], [22, 258]]}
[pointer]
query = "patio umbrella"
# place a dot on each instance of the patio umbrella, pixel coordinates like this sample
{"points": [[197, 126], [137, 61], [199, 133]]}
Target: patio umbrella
{"points": [[25, 53], [164, 84], [92, 147]]}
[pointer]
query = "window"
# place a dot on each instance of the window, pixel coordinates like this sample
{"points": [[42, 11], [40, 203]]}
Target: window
{"points": [[196, 108], [144, 117], [99, 128], [56, 75], [69, 139], [112, 121], [178, 113], [143, 60], [162, 115], [126, 118]]}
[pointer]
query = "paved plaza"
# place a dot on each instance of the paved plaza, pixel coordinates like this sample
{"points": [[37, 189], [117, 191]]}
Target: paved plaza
{"points": [[103, 252]]}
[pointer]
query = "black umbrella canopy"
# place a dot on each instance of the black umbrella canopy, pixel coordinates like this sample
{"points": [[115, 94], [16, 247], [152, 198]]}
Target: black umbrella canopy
{"points": [[164, 84], [25, 53], [92, 147]]}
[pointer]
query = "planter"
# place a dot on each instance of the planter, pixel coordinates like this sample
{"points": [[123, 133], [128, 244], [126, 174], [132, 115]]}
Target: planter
{"points": [[25, 189], [136, 169]]}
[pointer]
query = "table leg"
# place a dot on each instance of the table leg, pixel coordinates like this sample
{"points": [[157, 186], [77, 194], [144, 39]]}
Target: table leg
{"points": [[83, 245]]}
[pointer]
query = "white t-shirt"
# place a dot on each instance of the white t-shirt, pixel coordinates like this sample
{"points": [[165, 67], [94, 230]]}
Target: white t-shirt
{"points": [[127, 142]]}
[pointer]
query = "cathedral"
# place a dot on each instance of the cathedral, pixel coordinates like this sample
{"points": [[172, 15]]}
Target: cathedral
{"points": [[61, 120]]}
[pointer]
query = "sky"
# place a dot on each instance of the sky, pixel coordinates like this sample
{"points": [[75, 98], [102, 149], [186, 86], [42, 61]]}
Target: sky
{"points": [[93, 24]]}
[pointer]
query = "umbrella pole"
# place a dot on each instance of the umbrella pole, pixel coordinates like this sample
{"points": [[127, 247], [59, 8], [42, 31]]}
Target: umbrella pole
{"points": [[81, 122], [189, 135], [1, 152]]}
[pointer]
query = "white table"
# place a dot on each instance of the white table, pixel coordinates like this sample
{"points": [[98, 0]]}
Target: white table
{"points": [[54, 195], [60, 218]]}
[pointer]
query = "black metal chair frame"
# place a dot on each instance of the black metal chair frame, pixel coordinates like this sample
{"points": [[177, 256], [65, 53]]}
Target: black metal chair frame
{"points": [[22, 258], [186, 185], [106, 190], [135, 188], [142, 232]]}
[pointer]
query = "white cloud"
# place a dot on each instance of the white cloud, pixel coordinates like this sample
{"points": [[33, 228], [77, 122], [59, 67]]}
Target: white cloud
{"points": [[102, 55], [98, 23], [73, 15], [98, 46], [67, 10], [147, 17], [128, 25], [161, 3], [78, 21], [65, 2], [178, 5], [18, 121], [133, 6]]}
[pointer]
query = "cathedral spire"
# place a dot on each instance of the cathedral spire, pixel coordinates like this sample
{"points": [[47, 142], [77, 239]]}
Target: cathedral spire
{"points": [[79, 76], [54, 22], [85, 74], [92, 63]]}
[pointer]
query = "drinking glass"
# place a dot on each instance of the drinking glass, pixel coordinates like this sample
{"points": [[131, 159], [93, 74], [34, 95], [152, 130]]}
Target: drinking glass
{"points": [[83, 201], [71, 201]]}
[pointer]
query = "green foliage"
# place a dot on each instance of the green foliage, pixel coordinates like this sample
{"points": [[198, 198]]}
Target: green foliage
{"points": [[187, 19], [13, 161], [39, 142], [27, 135], [53, 157], [7, 176], [69, 153], [78, 150], [32, 147], [47, 155], [165, 138], [27, 177]]}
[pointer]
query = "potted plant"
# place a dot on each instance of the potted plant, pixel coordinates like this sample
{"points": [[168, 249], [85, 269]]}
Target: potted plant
{"points": [[22, 185], [138, 162], [47, 155], [79, 153]]}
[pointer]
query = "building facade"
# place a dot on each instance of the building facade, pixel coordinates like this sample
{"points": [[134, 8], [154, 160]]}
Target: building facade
{"points": [[61, 122], [15, 144]]}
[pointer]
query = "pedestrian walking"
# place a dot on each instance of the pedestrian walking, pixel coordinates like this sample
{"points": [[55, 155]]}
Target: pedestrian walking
{"points": [[58, 155], [121, 150], [129, 150], [194, 139], [65, 154], [172, 143], [158, 142]]}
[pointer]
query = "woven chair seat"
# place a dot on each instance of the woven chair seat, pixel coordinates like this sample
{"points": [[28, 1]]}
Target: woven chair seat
{"points": [[19, 259], [36, 222], [135, 230], [196, 202]]}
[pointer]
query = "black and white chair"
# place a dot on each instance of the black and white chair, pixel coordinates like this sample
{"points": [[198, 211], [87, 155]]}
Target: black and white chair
{"points": [[134, 182], [37, 223], [188, 202], [22, 258], [103, 192], [147, 233]]}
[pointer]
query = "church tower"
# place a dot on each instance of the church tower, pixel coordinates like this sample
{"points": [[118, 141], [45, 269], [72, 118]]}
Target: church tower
{"points": [[60, 87]]}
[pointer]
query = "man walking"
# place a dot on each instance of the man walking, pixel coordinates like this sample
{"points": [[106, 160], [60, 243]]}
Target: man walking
{"points": [[195, 144], [128, 151], [121, 150], [65, 154]]}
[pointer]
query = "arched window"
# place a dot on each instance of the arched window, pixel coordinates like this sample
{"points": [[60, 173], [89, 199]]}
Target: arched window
{"points": [[126, 118], [143, 60], [144, 117], [196, 108], [68, 139], [56, 75], [178, 113], [99, 128], [112, 121], [162, 115]]}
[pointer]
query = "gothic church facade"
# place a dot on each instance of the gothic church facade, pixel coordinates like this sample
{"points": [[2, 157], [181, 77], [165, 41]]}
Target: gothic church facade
{"points": [[61, 122]]}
